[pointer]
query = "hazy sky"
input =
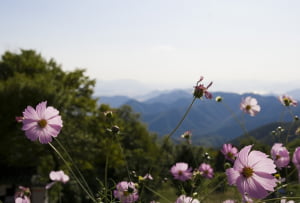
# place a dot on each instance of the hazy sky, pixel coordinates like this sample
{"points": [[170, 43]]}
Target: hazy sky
{"points": [[162, 42]]}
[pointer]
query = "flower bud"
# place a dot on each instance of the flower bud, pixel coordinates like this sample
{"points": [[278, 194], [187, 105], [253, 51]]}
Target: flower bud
{"points": [[108, 114], [115, 129], [219, 99], [227, 165]]}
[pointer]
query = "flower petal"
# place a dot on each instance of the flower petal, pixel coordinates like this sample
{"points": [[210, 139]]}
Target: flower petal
{"points": [[232, 176], [242, 159], [30, 113], [267, 181], [40, 109]]}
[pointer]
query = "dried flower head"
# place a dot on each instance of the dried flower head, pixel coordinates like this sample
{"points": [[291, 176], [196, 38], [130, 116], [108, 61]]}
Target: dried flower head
{"points": [[200, 89]]}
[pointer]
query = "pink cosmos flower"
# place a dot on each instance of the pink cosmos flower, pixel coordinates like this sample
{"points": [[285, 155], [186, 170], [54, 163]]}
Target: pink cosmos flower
{"points": [[280, 155], [206, 170], [247, 199], [229, 152], [252, 173], [283, 200], [24, 199], [249, 105], [181, 171], [287, 100], [201, 90], [41, 123], [22, 195], [229, 201], [185, 199], [296, 160], [126, 192], [57, 176]]}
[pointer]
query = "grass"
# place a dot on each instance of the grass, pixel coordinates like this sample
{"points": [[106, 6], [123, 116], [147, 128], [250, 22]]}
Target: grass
{"points": [[169, 192]]}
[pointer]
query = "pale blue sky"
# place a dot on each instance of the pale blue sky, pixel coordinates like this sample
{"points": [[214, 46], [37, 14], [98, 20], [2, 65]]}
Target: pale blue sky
{"points": [[162, 42]]}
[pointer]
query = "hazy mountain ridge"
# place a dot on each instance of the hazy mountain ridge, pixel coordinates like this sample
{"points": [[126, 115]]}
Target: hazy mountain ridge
{"points": [[211, 123]]}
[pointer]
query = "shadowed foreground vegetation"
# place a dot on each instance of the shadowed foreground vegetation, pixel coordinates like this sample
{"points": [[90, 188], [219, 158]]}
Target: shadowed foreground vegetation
{"points": [[103, 155]]}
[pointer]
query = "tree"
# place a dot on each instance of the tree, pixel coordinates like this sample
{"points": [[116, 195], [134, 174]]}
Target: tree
{"points": [[26, 78]]}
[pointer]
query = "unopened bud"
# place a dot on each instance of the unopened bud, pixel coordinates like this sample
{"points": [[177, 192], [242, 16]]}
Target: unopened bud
{"points": [[297, 131], [227, 165], [108, 114], [19, 119], [115, 129], [219, 99]]}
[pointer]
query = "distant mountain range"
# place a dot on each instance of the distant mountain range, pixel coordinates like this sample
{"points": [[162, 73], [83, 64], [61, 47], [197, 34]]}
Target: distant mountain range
{"points": [[210, 122]]}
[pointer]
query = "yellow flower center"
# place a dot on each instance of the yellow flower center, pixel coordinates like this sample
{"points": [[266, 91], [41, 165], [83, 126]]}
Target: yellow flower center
{"points": [[248, 107], [286, 101], [230, 155], [42, 123], [247, 172]]}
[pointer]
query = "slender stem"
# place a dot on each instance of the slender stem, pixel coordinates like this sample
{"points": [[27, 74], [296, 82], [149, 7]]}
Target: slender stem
{"points": [[75, 166], [182, 119], [235, 117], [290, 127], [212, 190], [154, 192], [72, 172], [123, 152], [105, 176]]}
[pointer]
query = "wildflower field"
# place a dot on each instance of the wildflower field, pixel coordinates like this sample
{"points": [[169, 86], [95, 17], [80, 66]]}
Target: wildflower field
{"points": [[56, 136]]}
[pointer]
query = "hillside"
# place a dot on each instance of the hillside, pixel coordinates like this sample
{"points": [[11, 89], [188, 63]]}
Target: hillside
{"points": [[211, 123], [269, 134]]}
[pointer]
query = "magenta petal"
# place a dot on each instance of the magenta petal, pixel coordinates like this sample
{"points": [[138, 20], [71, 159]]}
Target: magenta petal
{"points": [[30, 113], [232, 176], [266, 180], [28, 123], [40, 109], [32, 133], [51, 112], [242, 159], [55, 121], [45, 139]]}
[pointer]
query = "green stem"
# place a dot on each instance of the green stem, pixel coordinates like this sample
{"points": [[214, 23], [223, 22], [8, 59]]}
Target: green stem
{"points": [[235, 117], [212, 190], [156, 193], [72, 172], [105, 176], [182, 119], [122, 152], [75, 166]]}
